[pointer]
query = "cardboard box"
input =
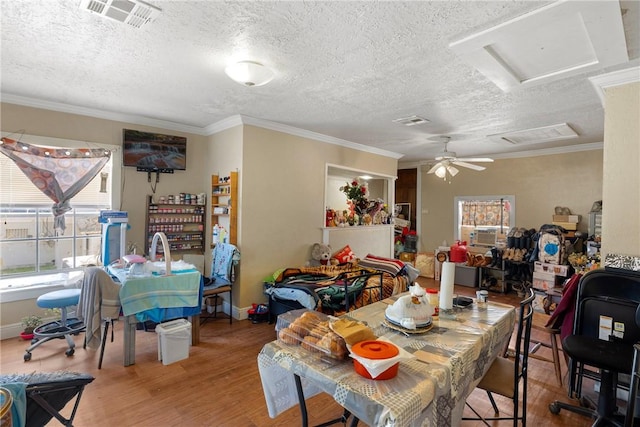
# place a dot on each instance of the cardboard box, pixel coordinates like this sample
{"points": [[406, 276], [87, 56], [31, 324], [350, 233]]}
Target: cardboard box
{"points": [[539, 300], [566, 218], [555, 269], [567, 225], [543, 281], [425, 263]]}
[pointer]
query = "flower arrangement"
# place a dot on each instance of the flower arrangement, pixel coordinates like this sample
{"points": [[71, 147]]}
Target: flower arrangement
{"points": [[362, 210], [356, 196]]}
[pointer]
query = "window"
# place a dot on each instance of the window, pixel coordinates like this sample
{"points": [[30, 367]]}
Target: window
{"points": [[29, 244], [488, 217]]}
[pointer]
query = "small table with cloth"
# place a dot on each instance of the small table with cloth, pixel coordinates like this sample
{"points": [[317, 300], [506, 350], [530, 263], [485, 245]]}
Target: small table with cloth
{"points": [[159, 298], [430, 388]]}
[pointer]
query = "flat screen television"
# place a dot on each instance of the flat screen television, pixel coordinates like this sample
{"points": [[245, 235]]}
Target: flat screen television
{"points": [[153, 151]]}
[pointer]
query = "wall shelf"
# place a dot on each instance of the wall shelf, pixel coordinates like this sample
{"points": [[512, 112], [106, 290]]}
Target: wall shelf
{"points": [[224, 205]]}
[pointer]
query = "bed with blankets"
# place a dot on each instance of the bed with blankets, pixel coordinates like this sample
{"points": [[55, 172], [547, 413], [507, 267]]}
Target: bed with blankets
{"points": [[336, 289]]}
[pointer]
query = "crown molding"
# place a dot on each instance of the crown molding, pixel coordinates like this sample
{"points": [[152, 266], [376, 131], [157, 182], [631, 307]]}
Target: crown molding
{"points": [[615, 78], [279, 127], [229, 122], [100, 114], [529, 153]]}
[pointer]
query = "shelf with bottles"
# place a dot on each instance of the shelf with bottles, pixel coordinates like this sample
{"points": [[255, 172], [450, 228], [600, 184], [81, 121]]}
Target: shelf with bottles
{"points": [[181, 218], [224, 205]]}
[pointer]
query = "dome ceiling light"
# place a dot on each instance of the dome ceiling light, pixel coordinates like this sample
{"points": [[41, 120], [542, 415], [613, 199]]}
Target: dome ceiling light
{"points": [[249, 73]]}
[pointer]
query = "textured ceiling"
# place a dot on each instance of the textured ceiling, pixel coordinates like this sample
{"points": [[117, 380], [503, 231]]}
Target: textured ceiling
{"points": [[343, 69]]}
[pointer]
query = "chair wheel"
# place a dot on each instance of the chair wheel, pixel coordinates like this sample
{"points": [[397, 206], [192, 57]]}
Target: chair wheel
{"points": [[27, 356], [70, 352], [554, 408]]}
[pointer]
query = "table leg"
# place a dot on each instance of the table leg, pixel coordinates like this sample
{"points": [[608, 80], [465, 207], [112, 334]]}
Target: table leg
{"points": [[301, 401], [303, 409], [195, 329], [129, 345]]}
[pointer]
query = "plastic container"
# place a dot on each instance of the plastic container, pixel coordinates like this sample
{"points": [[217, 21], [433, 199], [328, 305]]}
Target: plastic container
{"points": [[458, 252], [433, 295], [174, 339], [310, 330], [375, 350]]}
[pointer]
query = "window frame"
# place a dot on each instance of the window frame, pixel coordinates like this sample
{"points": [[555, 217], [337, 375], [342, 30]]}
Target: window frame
{"points": [[457, 212], [31, 284]]}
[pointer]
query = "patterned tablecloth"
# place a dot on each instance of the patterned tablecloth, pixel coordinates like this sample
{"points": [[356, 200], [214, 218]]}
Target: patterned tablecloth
{"points": [[430, 388]]}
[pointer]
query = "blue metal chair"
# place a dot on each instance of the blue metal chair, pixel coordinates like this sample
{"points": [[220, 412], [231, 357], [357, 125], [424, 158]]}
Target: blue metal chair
{"points": [[65, 327]]}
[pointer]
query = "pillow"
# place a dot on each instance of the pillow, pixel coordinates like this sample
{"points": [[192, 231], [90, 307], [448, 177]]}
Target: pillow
{"points": [[344, 255], [388, 265]]}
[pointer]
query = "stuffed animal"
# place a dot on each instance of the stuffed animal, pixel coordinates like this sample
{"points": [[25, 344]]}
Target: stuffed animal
{"points": [[320, 255]]}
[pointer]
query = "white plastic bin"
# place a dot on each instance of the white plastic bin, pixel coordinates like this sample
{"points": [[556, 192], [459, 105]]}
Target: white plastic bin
{"points": [[174, 339]]}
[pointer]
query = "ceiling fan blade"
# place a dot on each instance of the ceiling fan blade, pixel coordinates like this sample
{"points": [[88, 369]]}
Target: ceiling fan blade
{"points": [[476, 159], [436, 166], [468, 165]]}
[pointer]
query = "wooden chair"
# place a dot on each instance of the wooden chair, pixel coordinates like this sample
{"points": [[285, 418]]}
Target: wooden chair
{"points": [[505, 375], [224, 260]]}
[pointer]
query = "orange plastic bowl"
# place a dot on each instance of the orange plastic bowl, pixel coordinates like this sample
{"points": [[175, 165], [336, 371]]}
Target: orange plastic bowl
{"points": [[375, 350]]}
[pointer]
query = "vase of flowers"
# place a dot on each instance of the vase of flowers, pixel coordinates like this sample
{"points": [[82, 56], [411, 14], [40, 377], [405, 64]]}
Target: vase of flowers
{"points": [[356, 198]]}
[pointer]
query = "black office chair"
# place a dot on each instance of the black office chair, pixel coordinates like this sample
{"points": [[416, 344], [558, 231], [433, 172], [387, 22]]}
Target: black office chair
{"points": [[505, 375], [606, 298]]}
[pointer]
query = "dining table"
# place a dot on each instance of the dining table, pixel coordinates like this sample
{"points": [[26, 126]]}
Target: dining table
{"points": [[443, 364]]}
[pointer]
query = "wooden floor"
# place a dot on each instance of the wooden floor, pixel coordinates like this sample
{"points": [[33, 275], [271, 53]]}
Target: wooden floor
{"points": [[219, 384]]}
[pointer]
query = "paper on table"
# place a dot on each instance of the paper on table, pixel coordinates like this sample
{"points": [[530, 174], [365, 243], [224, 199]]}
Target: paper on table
{"points": [[377, 366], [446, 285]]}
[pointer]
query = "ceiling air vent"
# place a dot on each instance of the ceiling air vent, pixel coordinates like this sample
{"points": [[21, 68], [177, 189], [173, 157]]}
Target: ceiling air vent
{"points": [[135, 13], [537, 135], [411, 121]]}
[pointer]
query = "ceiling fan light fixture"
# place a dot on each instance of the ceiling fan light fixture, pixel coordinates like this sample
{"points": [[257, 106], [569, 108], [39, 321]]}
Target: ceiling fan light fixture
{"points": [[441, 172], [452, 170], [249, 73]]}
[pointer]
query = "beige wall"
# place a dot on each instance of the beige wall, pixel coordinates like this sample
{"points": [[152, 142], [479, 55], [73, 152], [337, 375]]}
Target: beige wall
{"points": [[283, 200], [34, 121], [281, 188], [538, 183], [621, 180]]}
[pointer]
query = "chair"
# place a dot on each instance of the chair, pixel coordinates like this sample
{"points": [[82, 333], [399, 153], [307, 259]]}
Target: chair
{"points": [[603, 336], [505, 375], [65, 327], [635, 381], [99, 303], [40, 396], [224, 261]]}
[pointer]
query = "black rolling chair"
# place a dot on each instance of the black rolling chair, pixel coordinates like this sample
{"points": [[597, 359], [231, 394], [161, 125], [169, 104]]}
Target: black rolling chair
{"points": [[604, 333]]}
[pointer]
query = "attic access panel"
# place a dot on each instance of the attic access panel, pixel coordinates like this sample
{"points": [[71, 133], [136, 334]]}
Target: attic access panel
{"points": [[551, 43]]}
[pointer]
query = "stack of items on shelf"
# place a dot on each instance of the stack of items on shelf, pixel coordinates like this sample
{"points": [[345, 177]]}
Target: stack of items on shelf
{"points": [[565, 219], [545, 275]]}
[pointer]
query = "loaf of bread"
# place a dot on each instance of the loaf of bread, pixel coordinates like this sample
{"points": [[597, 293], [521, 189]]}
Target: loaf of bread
{"points": [[311, 330]]}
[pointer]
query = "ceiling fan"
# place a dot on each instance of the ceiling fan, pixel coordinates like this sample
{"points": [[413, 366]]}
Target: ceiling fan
{"points": [[447, 159]]}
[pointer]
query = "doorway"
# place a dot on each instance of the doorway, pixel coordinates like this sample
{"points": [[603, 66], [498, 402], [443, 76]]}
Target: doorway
{"points": [[407, 190]]}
